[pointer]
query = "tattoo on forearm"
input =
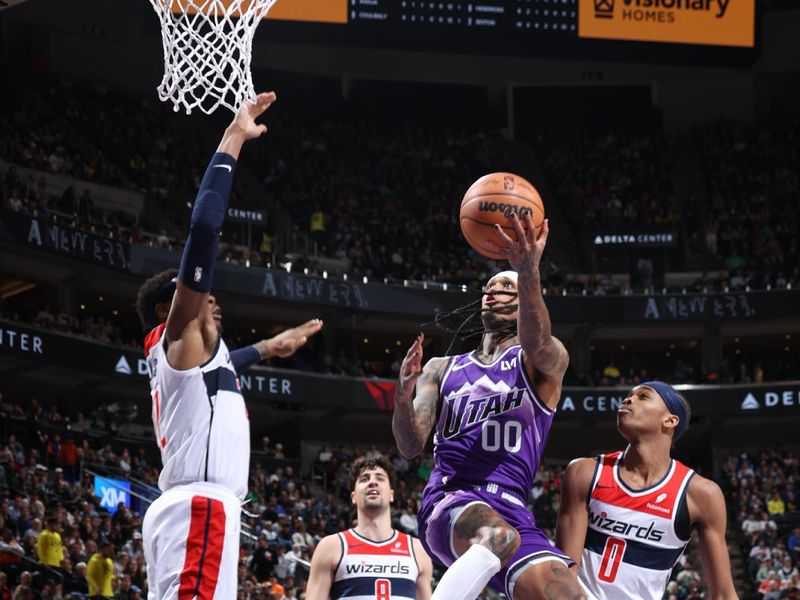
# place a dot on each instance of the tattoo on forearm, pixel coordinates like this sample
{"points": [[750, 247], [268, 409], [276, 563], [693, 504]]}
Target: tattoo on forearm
{"points": [[534, 319], [411, 423], [404, 428], [535, 330]]}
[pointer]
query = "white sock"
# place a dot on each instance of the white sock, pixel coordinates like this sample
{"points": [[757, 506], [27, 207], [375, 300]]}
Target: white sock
{"points": [[468, 575]]}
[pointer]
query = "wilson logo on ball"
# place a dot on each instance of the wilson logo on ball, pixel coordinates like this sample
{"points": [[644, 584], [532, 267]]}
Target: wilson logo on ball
{"points": [[506, 209]]}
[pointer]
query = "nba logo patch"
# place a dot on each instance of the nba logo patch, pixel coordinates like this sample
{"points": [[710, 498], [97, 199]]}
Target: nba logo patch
{"points": [[198, 274]]}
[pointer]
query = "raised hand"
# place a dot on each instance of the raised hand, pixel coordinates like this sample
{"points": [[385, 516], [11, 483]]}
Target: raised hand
{"points": [[245, 119], [526, 251], [288, 342], [410, 371]]}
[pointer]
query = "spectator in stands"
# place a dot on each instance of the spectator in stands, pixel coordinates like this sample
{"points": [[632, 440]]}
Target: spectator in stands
{"points": [[775, 504], [23, 592], [74, 579], [48, 545], [793, 543], [9, 542], [24, 588], [126, 590], [100, 572], [134, 547], [292, 556], [611, 372], [262, 561], [787, 570], [5, 591], [408, 518], [764, 568], [791, 586], [301, 536], [770, 588]]}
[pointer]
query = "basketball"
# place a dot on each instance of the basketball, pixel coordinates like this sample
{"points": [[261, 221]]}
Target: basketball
{"points": [[491, 200]]}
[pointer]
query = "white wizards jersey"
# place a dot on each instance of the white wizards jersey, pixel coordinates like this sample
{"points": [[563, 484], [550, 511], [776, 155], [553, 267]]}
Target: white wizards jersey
{"points": [[370, 570], [200, 419], [634, 537]]}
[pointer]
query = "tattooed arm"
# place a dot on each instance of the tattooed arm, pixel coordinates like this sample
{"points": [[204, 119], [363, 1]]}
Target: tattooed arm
{"points": [[546, 357], [413, 419]]}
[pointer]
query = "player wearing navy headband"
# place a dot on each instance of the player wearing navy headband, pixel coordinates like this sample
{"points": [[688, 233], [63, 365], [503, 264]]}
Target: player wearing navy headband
{"points": [[201, 424], [626, 517]]}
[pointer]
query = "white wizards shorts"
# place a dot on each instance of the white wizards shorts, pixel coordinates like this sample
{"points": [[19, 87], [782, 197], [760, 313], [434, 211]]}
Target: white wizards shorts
{"points": [[191, 543]]}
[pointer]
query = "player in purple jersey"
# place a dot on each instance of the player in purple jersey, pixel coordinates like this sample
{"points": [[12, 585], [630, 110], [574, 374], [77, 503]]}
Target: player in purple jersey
{"points": [[492, 410]]}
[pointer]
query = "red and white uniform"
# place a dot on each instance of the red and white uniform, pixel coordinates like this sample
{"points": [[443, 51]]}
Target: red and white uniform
{"points": [[191, 532], [370, 570], [634, 537]]}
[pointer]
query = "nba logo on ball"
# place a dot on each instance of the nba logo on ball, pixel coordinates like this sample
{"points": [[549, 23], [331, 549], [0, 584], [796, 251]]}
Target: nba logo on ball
{"points": [[508, 183], [198, 274]]}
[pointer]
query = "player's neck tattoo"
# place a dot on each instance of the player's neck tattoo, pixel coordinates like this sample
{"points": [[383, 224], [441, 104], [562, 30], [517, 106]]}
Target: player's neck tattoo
{"points": [[504, 339]]}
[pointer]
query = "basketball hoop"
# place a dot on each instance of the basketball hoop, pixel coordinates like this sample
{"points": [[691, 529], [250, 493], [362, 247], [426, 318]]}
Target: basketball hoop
{"points": [[207, 51]]}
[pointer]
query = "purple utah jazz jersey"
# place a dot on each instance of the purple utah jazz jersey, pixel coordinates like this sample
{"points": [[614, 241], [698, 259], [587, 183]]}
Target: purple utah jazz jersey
{"points": [[491, 428]]}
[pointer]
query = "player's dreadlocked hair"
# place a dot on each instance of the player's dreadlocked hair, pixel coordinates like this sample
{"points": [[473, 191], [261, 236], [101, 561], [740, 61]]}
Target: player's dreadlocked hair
{"points": [[465, 328]]}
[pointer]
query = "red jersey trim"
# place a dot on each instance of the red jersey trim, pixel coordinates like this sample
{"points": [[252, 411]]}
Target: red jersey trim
{"points": [[660, 500], [153, 338], [397, 545]]}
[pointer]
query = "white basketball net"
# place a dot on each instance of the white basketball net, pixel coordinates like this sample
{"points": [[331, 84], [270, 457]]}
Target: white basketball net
{"points": [[207, 50]]}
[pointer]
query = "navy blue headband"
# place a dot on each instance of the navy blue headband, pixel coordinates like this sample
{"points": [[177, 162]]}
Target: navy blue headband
{"points": [[165, 291], [673, 402]]}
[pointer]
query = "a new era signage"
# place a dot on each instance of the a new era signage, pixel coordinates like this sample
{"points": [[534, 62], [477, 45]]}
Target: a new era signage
{"points": [[111, 492], [767, 399]]}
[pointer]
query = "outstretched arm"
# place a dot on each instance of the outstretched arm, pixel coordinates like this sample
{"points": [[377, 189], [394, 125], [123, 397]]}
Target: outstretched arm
{"points": [[546, 357], [413, 419], [282, 345], [573, 516], [190, 328], [708, 514]]}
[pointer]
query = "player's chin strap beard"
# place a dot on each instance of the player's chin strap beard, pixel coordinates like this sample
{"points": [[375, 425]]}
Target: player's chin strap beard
{"points": [[469, 328]]}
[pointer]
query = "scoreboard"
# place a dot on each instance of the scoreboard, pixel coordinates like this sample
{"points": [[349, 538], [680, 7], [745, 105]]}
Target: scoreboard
{"points": [[555, 16], [678, 31], [709, 22]]}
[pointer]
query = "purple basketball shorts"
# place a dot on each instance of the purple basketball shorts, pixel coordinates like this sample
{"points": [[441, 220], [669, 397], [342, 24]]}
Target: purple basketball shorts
{"points": [[441, 508]]}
